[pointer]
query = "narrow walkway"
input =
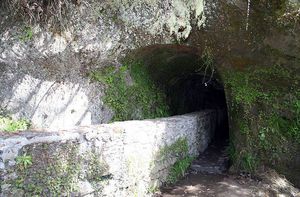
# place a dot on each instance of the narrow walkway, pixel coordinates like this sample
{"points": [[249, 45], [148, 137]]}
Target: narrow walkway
{"points": [[207, 177], [213, 161]]}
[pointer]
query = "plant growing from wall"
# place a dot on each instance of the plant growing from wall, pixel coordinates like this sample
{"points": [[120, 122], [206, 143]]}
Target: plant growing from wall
{"points": [[206, 65], [24, 161], [7, 124], [179, 169], [180, 150], [56, 12], [26, 34], [57, 169]]}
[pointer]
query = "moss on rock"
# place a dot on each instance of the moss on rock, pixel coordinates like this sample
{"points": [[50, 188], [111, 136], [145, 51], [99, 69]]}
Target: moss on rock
{"points": [[180, 151], [56, 169], [131, 93], [264, 114]]}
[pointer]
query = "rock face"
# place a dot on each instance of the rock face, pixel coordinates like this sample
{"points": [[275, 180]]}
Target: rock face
{"points": [[43, 73], [43, 69], [130, 158]]}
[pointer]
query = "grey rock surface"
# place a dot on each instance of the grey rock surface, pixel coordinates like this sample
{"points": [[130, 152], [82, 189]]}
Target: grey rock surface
{"points": [[44, 77]]}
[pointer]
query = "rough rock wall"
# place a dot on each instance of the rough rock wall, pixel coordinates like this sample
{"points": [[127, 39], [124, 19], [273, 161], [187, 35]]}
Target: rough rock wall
{"points": [[43, 71], [128, 158]]}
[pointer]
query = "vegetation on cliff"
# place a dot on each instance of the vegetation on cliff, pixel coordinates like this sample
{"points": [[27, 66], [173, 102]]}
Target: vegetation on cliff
{"points": [[131, 93]]}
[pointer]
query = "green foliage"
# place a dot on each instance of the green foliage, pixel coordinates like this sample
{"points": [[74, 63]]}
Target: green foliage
{"points": [[136, 99], [152, 189], [179, 148], [7, 124], [265, 109], [248, 162], [240, 85], [54, 176], [179, 169], [24, 161], [27, 34]]}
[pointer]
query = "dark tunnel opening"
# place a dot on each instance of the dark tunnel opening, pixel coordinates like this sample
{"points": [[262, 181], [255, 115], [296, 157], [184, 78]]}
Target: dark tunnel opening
{"points": [[196, 92], [191, 82]]}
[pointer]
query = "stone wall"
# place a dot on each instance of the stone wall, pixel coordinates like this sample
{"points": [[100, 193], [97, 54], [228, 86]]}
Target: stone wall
{"points": [[131, 158]]}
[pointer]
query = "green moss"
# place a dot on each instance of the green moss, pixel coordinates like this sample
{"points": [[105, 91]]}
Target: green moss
{"points": [[7, 124], [96, 169], [136, 99], [180, 150], [264, 110], [57, 177], [56, 169]]}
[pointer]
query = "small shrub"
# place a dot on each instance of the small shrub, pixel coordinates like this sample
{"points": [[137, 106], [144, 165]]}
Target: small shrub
{"points": [[179, 169], [24, 161], [27, 34], [7, 124]]}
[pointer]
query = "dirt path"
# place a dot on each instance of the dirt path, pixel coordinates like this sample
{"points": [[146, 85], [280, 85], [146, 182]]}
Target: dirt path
{"points": [[216, 185], [207, 177]]}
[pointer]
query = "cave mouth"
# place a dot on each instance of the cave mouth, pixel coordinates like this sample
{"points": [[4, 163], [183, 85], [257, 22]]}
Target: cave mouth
{"points": [[196, 92], [189, 83]]}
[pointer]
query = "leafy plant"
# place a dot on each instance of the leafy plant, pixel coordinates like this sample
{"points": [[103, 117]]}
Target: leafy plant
{"points": [[152, 189], [24, 161], [9, 125], [179, 169], [27, 34]]}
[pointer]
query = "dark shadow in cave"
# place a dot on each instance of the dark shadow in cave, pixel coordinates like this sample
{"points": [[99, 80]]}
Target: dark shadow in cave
{"points": [[196, 92], [190, 85]]}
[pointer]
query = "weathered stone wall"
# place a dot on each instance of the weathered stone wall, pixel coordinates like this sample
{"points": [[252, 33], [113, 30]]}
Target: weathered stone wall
{"points": [[129, 158]]}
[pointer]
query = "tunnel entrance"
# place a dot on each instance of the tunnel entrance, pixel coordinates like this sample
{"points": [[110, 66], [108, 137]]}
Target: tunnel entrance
{"points": [[190, 80], [196, 92]]}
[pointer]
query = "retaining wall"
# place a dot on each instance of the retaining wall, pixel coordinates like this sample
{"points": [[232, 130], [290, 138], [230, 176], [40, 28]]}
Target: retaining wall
{"points": [[131, 158]]}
